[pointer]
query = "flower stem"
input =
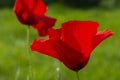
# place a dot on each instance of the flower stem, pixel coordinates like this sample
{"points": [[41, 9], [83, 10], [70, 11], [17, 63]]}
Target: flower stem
{"points": [[77, 74], [58, 73], [17, 74], [30, 71]]}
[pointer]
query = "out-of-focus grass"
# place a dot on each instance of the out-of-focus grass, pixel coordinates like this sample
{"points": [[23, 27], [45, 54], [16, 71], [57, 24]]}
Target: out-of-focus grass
{"points": [[104, 62]]}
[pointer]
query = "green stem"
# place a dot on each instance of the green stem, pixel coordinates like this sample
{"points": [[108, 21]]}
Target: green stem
{"points": [[77, 74], [30, 74], [58, 73], [17, 74]]}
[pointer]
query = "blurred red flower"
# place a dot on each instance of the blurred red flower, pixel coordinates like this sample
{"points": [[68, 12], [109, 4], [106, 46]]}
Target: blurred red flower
{"points": [[73, 43], [27, 10], [32, 12]]}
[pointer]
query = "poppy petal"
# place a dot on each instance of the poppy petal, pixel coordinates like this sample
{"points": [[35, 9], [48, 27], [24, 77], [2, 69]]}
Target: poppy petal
{"points": [[44, 23], [100, 36], [69, 56], [40, 8], [27, 10], [54, 33], [44, 47], [79, 35]]}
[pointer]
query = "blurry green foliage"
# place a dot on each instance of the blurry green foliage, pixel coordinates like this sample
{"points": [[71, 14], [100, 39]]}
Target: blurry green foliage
{"points": [[88, 3], [50, 1], [73, 3], [82, 3], [6, 3], [108, 3], [117, 2]]}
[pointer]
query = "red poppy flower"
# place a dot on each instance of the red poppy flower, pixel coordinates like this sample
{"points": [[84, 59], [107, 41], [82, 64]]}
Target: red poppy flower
{"points": [[73, 43], [44, 23], [28, 10]]}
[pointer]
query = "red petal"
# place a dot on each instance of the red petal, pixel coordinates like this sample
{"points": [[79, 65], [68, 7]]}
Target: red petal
{"points": [[44, 47], [100, 36], [27, 4], [70, 57], [44, 24], [40, 7], [27, 10], [54, 34], [79, 35]]}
